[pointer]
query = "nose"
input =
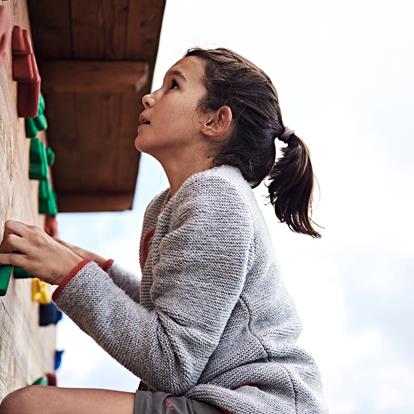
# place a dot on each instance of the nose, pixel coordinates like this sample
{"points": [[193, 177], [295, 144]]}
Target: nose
{"points": [[148, 100]]}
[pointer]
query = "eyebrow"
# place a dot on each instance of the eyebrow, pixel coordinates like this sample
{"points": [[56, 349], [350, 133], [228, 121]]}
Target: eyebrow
{"points": [[178, 73]]}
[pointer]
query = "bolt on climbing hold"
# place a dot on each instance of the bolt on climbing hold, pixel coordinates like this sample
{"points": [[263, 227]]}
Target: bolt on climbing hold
{"points": [[49, 314], [5, 275], [39, 291], [38, 168], [58, 359]]}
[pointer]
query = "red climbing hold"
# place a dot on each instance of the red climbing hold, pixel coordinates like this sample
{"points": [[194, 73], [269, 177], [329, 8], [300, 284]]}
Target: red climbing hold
{"points": [[26, 73], [51, 378], [50, 226]]}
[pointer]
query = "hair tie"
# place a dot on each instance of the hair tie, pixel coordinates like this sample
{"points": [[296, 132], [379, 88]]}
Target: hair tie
{"points": [[286, 134]]}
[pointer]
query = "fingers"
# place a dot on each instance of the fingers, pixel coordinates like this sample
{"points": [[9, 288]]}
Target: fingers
{"points": [[14, 259], [17, 236], [60, 241], [13, 248], [16, 227], [15, 244]]}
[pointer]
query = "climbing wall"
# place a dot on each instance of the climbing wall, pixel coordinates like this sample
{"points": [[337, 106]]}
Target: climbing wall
{"points": [[27, 350]]}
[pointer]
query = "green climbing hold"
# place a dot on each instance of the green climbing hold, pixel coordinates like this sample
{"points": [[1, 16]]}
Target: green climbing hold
{"points": [[38, 123], [41, 106], [50, 156], [5, 275], [31, 128], [20, 273], [38, 169], [41, 122], [41, 381], [48, 204], [44, 189]]}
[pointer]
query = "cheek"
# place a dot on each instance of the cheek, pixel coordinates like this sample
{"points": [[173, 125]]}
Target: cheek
{"points": [[179, 121]]}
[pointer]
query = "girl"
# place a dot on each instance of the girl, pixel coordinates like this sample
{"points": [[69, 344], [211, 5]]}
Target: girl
{"points": [[210, 328]]}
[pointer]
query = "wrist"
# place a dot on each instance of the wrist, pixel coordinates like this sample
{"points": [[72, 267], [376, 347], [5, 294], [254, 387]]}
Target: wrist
{"points": [[68, 278], [99, 260], [72, 262]]}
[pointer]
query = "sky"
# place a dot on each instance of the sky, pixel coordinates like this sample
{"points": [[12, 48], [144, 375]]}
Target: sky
{"points": [[343, 72]]}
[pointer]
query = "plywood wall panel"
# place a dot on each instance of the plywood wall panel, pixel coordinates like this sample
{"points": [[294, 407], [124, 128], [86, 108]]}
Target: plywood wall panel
{"points": [[26, 349]]}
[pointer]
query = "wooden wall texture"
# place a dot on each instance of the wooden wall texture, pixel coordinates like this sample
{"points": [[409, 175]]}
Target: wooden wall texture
{"points": [[26, 349]]}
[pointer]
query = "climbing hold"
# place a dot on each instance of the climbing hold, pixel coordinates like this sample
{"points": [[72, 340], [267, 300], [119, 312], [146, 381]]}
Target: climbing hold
{"points": [[27, 95], [22, 65], [26, 73], [31, 128], [34, 125], [39, 292], [50, 226], [4, 30], [44, 189], [20, 273], [42, 105], [20, 46], [39, 123], [51, 378], [41, 381], [38, 160], [50, 156], [49, 314], [58, 359], [49, 205], [5, 275]]}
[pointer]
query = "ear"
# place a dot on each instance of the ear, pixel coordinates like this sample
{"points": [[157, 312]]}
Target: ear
{"points": [[218, 123]]}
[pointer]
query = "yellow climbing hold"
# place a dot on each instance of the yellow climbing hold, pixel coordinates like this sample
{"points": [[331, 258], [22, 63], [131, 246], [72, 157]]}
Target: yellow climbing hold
{"points": [[39, 292]]}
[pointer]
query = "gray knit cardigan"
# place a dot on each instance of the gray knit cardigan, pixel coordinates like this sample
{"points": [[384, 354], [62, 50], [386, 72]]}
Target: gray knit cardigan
{"points": [[210, 318]]}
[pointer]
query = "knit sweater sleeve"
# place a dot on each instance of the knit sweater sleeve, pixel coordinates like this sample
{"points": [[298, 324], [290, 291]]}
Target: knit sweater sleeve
{"points": [[128, 281], [201, 269]]}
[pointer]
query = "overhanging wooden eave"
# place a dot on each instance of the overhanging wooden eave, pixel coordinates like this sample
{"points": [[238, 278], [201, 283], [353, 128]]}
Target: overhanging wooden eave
{"points": [[96, 59]]}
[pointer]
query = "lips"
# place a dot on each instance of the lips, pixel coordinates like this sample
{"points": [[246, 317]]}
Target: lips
{"points": [[143, 120]]}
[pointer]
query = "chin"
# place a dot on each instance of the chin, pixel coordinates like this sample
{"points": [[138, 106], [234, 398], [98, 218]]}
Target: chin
{"points": [[136, 144]]}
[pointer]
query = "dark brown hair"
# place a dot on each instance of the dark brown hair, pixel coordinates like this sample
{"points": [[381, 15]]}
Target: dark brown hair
{"points": [[232, 80]]}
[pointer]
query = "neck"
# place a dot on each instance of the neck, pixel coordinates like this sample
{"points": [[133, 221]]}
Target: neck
{"points": [[178, 175]]}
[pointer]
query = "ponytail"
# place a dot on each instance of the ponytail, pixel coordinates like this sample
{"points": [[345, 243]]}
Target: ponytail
{"points": [[230, 79], [290, 192]]}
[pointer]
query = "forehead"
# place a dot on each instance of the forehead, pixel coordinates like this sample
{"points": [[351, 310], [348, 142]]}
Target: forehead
{"points": [[191, 67]]}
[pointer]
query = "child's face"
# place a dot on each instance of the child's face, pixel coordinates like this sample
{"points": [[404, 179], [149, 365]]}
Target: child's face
{"points": [[174, 128]]}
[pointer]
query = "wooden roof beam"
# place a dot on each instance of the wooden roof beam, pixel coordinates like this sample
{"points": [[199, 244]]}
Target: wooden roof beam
{"points": [[85, 76], [70, 202]]}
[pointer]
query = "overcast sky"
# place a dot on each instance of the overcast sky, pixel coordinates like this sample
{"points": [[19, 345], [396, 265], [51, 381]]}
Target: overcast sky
{"points": [[344, 74]]}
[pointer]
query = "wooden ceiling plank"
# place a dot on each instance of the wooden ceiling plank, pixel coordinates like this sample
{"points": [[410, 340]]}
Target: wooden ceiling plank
{"points": [[99, 28], [51, 28], [93, 76], [144, 27], [62, 138], [97, 137]]}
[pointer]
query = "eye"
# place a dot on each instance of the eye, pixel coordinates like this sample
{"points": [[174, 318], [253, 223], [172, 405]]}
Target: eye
{"points": [[173, 82]]}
